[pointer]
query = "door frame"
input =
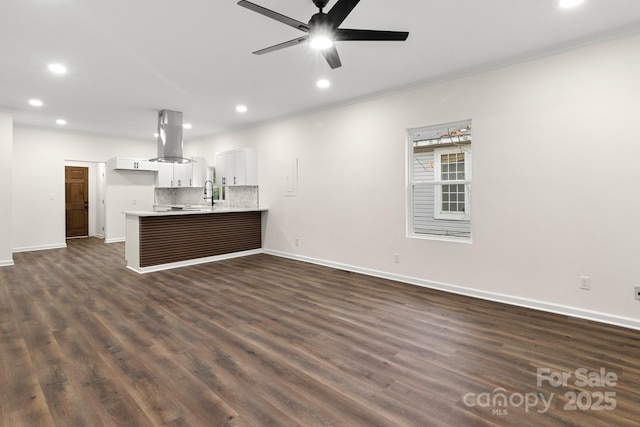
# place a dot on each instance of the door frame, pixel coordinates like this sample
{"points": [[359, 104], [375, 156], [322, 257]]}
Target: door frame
{"points": [[76, 182], [96, 191]]}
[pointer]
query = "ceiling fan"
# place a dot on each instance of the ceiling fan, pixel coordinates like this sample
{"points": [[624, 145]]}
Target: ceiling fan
{"points": [[323, 29]]}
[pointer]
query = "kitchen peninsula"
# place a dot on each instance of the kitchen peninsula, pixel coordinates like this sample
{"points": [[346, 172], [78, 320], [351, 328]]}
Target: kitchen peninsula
{"points": [[162, 240]]}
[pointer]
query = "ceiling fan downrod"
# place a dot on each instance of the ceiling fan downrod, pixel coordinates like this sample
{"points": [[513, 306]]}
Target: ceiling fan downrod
{"points": [[320, 4]]}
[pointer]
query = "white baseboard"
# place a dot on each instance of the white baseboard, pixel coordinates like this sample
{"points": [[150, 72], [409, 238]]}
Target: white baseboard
{"points": [[40, 248], [610, 319], [143, 270], [116, 240], [7, 263]]}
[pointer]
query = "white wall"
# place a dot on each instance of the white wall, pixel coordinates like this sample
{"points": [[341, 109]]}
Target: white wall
{"points": [[6, 167], [39, 157], [100, 191], [125, 191], [554, 194]]}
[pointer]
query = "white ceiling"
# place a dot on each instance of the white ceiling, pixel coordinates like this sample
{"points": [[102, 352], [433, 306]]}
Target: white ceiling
{"points": [[128, 59]]}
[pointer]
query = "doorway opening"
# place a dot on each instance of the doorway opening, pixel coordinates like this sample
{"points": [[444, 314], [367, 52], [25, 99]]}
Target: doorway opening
{"points": [[76, 196], [84, 199]]}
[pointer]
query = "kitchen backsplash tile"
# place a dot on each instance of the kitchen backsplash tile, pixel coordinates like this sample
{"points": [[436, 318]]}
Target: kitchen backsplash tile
{"points": [[242, 197], [237, 197], [179, 196]]}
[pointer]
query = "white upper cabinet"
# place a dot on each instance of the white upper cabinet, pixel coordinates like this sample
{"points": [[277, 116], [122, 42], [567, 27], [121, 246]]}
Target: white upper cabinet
{"points": [[237, 167], [176, 175], [199, 171], [132, 163], [182, 174], [164, 179]]}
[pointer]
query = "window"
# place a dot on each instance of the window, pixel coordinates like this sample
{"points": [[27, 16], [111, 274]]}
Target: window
{"points": [[452, 165], [440, 181]]}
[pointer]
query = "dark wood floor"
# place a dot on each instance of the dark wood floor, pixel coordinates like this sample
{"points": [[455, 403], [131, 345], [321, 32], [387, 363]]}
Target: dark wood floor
{"points": [[260, 340]]}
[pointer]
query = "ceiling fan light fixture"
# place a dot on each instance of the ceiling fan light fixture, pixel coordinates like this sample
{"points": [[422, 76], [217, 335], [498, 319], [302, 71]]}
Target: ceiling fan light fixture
{"points": [[320, 42]]}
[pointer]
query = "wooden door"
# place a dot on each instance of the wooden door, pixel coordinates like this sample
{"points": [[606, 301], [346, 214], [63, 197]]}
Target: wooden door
{"points": [[76, 181]]}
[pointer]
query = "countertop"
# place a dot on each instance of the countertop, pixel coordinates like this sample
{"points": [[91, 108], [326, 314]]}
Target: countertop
{"points": [[192, 212]]}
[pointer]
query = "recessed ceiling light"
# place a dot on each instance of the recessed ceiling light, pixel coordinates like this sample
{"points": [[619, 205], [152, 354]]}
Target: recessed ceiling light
{"points": [[187, 126], [57, 68], [155, 135], [241, 108], [61, 122], [323, 83], [566, 4], [36, 102]]}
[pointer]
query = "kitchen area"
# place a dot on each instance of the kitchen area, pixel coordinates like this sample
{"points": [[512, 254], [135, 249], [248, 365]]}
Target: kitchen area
{"points": [[200, 213]]}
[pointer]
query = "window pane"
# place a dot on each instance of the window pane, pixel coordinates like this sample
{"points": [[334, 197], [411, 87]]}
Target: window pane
{"points": [[438, 208]]}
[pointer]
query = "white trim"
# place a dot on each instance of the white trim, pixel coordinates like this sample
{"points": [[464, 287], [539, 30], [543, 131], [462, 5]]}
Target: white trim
{"points": [[7, 263], [39, 248], [437, 173], [468, 240], [625, 322], [161, 267], [116, 240], [434, 182]]}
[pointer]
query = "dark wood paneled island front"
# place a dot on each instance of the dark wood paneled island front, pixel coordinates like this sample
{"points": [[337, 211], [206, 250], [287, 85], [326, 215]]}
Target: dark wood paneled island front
{"points": [[161, 240]]}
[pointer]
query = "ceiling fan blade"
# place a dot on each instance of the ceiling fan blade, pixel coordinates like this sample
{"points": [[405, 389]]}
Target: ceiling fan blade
{"points": [[290, 43], [274, 15], [332, 57], [340, 11], [344, 34]]}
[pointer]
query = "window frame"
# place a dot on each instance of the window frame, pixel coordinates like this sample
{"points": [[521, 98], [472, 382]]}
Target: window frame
{"points": [[438, 183], [439, 137]]}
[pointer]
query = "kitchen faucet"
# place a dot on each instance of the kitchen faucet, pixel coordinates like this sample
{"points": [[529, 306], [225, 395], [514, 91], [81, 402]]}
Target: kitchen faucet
{"points": [[205, 192]]}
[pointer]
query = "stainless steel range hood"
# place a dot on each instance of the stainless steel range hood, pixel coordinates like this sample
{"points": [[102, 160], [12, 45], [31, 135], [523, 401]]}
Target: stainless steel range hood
{"points": [[170, 137]]}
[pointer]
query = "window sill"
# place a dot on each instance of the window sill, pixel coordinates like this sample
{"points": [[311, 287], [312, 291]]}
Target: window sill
{"points": [[467, 240]]}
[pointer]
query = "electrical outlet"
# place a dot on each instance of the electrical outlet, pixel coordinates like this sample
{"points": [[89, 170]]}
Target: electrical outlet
{"points": [[585, 283], [396, 258], [297, 242], [637, 292]]}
